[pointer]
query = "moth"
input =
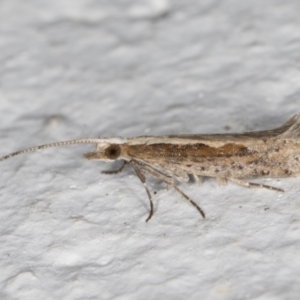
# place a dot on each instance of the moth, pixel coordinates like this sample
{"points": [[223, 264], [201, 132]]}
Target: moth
{"points": [[175, 158]]}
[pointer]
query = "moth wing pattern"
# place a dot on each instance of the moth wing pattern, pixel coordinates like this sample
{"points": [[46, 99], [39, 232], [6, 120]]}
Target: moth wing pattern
{"points": [[231, 156], [291, 128], [180, 172]]}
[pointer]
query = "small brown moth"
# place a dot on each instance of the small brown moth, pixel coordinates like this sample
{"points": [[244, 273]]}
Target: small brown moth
{"points": [[268, 153]]}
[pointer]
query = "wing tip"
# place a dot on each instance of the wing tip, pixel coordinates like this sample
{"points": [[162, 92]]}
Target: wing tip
{"points": [[291, 128]]}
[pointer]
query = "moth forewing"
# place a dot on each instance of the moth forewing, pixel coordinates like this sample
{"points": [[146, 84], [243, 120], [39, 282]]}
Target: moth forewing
{"points": [[171, 159]]}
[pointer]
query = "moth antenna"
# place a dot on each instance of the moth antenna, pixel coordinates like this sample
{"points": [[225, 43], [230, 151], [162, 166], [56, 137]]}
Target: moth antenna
{"points": [[57, 144]]}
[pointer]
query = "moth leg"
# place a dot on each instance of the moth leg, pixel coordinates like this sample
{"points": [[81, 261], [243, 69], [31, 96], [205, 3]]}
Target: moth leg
{"points": [[221, 181], [116, 171], [196, 178], [169, 181], [189, 199], [142, 178], [254, 185]]}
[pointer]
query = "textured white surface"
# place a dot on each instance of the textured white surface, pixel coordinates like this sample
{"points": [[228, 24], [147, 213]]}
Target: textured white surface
{"points": [[72, 69]]}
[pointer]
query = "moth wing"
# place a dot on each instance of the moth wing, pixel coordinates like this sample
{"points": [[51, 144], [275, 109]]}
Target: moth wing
{"points": [[291, 128]]}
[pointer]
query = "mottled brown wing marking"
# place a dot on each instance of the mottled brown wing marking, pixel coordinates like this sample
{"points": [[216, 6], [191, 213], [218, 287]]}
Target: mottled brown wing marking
{"points": [[182, 152], [229, 150]]}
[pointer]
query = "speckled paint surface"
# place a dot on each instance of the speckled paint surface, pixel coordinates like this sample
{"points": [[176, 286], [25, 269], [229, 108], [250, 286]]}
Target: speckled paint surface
{"points": [[73, 69]]}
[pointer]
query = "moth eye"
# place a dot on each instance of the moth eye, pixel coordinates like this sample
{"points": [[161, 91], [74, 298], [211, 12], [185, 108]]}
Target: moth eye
{"points": [[113, 151]]}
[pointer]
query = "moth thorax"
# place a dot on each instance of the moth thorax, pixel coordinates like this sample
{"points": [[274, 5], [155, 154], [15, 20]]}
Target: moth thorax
{"points": [[112, 152]]}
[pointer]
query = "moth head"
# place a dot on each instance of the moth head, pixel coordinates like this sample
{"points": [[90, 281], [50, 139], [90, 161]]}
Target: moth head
{"points": [[105, 153]]}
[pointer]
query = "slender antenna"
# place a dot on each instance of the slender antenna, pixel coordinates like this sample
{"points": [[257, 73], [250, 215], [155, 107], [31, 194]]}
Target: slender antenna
{"points": [[57, 144]]}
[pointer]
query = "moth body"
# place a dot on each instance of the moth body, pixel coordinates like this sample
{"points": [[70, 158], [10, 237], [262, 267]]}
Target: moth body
{"points": [[171, 159]]}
